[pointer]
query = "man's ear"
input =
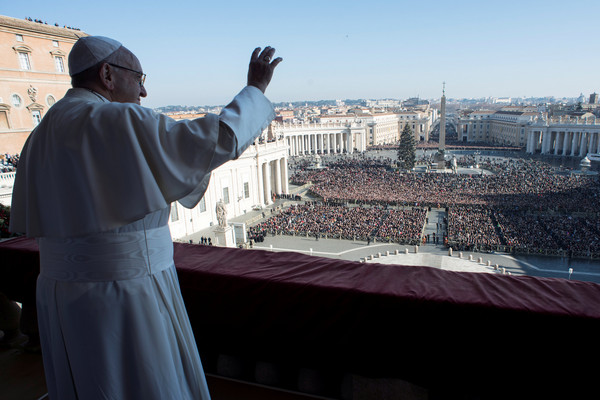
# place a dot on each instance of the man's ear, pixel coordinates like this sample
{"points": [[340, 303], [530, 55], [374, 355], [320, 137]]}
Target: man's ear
{"points": [[107, 77]]}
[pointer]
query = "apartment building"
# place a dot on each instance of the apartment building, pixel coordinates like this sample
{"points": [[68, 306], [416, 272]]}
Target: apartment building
{"points": [[507, 126]]}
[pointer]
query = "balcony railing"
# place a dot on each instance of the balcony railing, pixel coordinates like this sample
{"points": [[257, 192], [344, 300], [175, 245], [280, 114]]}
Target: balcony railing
{"points": [[313, 324]]}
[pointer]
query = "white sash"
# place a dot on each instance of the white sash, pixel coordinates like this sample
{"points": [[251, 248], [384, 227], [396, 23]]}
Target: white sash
{"points": [[106, 256]]}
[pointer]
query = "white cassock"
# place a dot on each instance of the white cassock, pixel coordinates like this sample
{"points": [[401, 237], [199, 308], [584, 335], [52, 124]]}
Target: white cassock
{"points": [[94, 184]]}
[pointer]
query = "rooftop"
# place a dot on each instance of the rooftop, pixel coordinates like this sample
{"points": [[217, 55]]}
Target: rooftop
{"points": [[26, 25]]}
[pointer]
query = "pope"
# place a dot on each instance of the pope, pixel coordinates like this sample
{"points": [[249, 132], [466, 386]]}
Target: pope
{"points": [[94, 185]]}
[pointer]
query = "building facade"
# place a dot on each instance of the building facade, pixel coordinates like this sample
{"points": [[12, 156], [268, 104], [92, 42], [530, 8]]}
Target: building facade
{"points": [[246, 184], [564, 136], [323, 137], [352, 132], [420, 120], [505, 127], [33, 76]]}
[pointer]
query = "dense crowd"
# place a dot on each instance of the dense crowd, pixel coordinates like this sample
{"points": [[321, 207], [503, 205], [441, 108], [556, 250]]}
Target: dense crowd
{"points": [[472, 226], [520, 184], [523, 232], [525, 206], [348, 222], [8, 162]]}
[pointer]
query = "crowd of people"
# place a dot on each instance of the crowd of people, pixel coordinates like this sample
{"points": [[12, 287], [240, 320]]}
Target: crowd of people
{"points": [[317, 219], [525, 205], [523, 232], [8, 162], [472, 226], [39, 21], [523, 184]]}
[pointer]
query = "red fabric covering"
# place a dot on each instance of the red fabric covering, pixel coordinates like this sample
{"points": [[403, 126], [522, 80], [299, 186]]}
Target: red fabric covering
{"points": [[19, 268], [425, 325]]}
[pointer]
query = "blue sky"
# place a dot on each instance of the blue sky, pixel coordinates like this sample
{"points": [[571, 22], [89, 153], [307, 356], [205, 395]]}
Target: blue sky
{"points": [[196, 52]]}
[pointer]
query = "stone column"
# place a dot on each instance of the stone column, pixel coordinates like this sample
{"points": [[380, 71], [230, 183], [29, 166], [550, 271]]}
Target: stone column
{"points": [[545, 142], [334, 139], [260, 189], [319, 142], [277, 177], [363, 139], [565, 143], [574, 143], [350, 146], [285, 177], [295, 141], [593, 142], [551, 142], [584, 144], [304, 139], [267, 183]]}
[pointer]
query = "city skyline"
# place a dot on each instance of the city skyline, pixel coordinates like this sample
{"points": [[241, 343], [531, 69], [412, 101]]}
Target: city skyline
{"points": [[197, 54]]}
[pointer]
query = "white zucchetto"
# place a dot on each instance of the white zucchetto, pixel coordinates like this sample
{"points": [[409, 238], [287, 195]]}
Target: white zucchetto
{"points": [[89, 51]]}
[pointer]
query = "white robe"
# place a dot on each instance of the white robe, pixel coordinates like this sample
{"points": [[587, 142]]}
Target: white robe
{"points": [[92, 165], [94, 183]]}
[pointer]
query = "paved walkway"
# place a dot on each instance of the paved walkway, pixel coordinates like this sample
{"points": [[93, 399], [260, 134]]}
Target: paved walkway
{"points": [[436, 256]]}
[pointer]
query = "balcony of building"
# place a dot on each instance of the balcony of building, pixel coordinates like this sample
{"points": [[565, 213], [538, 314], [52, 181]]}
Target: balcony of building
{"points": [[292, 326]]}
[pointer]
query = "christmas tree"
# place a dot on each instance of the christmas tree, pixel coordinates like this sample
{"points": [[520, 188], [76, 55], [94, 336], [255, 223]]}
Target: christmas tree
{"points": [[407, 150]]}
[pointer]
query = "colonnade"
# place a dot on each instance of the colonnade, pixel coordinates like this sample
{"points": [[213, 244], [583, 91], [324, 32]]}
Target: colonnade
{"points": [[320, 142], [566, 142], [272, 179]]}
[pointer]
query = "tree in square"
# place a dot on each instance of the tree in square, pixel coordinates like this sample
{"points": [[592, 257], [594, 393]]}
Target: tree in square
{"points": [[407, 156]]}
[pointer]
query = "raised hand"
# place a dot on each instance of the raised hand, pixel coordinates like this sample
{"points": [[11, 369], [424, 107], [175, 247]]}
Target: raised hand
{"points": [[261, 67]]}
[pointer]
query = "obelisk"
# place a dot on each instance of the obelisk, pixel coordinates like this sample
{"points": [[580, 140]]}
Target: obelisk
{"points": [[442, 145], [439, 156]]}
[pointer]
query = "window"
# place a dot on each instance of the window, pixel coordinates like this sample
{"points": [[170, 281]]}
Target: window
{"points": [[4, 122], [202, 205], [16, 101], [59, 62], [24, 60], [226, 195], [37, 117], [246, 190], [18, 37], [174, 213], [55, 43]]}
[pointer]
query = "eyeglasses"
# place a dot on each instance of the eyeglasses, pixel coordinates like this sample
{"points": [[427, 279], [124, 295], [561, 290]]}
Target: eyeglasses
{"points": [[141, 74]]}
